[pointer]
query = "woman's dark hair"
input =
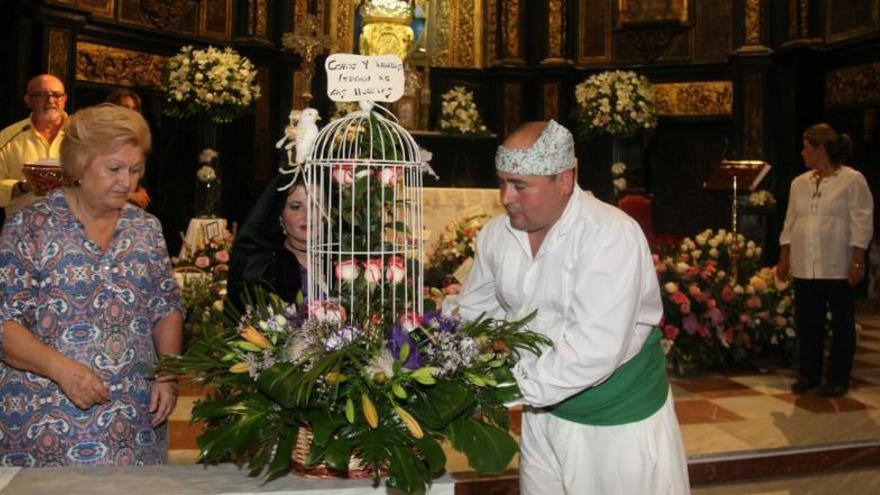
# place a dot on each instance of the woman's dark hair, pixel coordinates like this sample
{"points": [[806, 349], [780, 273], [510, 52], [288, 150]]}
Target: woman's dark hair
{"points": [[258, 238], [838, 146]]}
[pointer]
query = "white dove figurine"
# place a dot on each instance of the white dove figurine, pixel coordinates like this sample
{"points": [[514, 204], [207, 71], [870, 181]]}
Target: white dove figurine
{"points": [[306, 133]]}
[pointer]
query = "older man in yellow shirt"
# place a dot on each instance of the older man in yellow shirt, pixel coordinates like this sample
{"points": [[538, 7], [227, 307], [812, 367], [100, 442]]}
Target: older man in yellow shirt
{"points": [[36, 137]]}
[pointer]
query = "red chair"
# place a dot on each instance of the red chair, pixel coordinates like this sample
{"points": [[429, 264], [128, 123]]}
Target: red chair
{"points": [[638, 206]]}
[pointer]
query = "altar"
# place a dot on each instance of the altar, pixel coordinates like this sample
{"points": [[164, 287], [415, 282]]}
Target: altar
{"points": [[224, 479]]}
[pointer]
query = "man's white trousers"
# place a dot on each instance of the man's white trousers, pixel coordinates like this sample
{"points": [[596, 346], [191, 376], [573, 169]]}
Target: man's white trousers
{"points": [[642, 458]]}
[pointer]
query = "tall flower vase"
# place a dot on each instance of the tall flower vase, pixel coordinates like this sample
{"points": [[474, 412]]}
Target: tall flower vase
{"points": [[208, 194], [630, 151]]}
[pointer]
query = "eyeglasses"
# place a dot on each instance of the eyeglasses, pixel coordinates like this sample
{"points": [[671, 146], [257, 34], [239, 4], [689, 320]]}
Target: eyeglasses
{"points": [[45, 95]]}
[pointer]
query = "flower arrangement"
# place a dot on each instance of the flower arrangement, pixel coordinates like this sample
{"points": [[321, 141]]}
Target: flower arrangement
{"points": [[710, 319], [219, 83], [619, 103], [356, 373], [202, 276], [618, 178], [459, 114], [762, 198], [387, 396], [456, 244]]}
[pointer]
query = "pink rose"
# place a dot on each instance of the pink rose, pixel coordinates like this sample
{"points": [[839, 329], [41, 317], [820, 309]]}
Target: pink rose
{"points": [[373, 271], [348, 270], [343, 174], [703, 331], [203, 262], [694, 290], [221, 267], [753, 302], [410, 320], [690, 324], [222, 256], [726, 293], [327, 311], [670, 332], [388, 175], [395, 270]]}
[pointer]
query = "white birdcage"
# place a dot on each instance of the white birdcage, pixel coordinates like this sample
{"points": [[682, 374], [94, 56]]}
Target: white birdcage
{"points": [[364, 178]]}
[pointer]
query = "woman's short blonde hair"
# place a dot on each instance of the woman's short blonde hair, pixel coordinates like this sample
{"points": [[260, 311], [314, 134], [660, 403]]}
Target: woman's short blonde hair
{"points": [[99, 131]]}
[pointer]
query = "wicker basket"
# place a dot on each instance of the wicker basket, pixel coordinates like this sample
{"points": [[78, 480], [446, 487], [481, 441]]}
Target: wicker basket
{"points": [[356, 469]]}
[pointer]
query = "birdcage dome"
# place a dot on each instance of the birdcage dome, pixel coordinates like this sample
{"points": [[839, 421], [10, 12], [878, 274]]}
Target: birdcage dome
{"points": [[364, 177]]}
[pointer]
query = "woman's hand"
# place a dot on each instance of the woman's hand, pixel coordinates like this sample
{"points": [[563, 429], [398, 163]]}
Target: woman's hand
{"points": [[856, 273], [782, 269], [81, 385], [163, 398]]}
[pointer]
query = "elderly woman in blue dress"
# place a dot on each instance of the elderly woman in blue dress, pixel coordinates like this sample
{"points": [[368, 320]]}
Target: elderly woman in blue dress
{"points": [[89, 302]]}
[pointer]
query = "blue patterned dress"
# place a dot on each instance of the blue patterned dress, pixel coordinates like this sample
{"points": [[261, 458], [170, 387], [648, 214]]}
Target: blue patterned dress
{"points": [[98, 308]]}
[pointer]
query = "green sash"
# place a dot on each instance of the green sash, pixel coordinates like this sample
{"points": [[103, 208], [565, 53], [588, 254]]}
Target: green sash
{"points": [[634, 392]]}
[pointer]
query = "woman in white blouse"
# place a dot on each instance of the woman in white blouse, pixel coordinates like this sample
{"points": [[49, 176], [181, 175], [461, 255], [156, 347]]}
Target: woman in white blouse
{"points": [[828, 227]]}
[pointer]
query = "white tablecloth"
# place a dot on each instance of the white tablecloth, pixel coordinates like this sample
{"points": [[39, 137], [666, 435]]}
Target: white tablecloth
{"points": [[225, 479], [199, 232]]}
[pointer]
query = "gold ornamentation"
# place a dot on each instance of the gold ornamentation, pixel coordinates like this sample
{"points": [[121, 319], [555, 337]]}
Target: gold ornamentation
{"points": [[844, 20], [440, 28], [711, 98], [164, 13], [753, 22], [59, 50], [853, 86], [104, 9], [463, 42], [556, 29], [308, 42], [208, 16], [599, 12], [492, 31], [510, 35], [261, 28], [386, 28], [341, 27], [117, 66]]}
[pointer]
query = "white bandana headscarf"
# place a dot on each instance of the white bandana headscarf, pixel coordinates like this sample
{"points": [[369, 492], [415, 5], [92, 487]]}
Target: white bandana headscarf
{"points": [[553, 152]]}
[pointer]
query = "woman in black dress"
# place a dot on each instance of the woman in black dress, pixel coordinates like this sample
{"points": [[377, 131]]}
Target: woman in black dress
{"points": [[270, 248]]}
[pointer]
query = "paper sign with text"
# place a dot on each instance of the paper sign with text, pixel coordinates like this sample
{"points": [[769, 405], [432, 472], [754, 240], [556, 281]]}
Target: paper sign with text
{"points": [[359, 77]]}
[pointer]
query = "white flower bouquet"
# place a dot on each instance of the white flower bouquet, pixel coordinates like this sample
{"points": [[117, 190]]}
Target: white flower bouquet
{"points": [[762, 198], [459, 114], [219, 83], [618, 178], [619, 103]]}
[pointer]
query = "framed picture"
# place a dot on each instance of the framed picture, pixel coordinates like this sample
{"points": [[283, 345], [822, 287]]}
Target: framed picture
{"points": [[212, 230]]}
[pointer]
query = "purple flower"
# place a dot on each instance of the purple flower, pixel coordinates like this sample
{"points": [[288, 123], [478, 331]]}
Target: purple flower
{"points": [[690, 324], [396, 339], [341, 337], [435, 320]]}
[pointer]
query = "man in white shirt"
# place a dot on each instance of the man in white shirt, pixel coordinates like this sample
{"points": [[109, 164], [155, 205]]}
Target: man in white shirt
{"points": [[26, 141], [599, 417]]}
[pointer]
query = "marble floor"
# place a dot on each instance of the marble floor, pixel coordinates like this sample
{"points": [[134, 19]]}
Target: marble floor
{"points": [[736, 426]]}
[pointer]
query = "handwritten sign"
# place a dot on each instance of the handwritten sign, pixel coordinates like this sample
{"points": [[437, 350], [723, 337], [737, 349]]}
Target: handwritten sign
{"points": [[359, 77]]}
